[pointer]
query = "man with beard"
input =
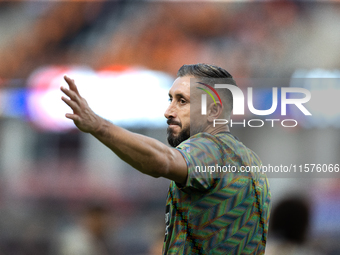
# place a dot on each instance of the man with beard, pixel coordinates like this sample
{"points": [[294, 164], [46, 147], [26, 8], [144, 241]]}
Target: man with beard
{"points": [[207, 212]]}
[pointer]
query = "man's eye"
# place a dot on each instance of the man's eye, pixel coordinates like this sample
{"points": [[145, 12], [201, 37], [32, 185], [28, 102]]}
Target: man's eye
{"points": [[182, 101], [170, 100]]}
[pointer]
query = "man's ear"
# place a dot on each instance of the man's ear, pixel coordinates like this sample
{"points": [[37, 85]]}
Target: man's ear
{"points": [[214, 111]]}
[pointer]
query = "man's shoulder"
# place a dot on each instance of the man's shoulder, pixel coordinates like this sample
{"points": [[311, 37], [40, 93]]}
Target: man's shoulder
{"points": [[222, 146], [238, 148], [200, 140], [223, 140], [206, 138]]}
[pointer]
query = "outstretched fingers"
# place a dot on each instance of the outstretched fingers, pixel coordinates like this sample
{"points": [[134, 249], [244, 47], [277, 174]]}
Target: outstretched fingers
{"points": [[71, 84], [73, 117], [83, 117], [74, 105], [71, 94], [74, 100]]}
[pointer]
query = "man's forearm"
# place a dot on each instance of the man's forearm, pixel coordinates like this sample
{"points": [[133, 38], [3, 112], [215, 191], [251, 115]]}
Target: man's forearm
{"points": [[143, 153], [146, 154]]}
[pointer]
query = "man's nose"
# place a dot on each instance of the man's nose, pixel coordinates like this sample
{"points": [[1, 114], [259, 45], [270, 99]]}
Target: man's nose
{"points": [[170, 112]]}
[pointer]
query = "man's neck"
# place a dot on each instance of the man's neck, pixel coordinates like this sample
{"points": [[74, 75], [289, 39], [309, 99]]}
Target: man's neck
{"points": [[215, 130]]}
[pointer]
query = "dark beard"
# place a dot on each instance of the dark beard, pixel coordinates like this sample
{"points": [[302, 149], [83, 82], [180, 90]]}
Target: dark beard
{"points": [[173, 140], [185, 134]]}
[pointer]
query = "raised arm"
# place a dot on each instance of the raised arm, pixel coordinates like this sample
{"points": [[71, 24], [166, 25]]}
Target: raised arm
{"points": [[145, 154]]}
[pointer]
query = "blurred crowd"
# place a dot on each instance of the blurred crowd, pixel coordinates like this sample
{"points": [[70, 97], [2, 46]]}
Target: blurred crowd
{"points": [[267, 39]]}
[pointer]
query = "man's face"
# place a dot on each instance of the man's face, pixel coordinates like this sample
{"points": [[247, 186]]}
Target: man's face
{"points": [[178, 112]]}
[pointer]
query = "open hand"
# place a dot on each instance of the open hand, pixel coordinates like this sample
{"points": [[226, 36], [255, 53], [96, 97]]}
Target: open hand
{"points": [[83, 117]]}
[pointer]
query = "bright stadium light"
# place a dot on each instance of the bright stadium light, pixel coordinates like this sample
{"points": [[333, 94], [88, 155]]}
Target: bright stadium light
{"points": [[130, 97]]}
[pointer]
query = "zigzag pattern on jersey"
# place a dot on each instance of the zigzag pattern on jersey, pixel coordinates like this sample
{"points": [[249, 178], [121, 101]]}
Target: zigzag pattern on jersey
{"points": [[178, 231], [232, 232], [182, 214], [241, 242], [264, 196], [229, 199], [241, 214], [246, 240], [215, 205], [233, 152], [207, 180], [241, 238], [224, 214]]}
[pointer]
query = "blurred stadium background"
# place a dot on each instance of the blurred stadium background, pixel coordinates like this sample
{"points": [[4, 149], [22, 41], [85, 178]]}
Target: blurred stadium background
{"points": [[124, 55]]}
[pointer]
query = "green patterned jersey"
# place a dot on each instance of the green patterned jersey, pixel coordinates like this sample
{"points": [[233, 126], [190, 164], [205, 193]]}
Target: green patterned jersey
{"points": [[222, 208]]}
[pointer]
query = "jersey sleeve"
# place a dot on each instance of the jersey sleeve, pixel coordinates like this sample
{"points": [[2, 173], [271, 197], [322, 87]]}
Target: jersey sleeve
{"points": [[203, 154]]}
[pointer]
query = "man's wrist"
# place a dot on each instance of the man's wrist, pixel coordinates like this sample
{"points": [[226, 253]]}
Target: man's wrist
{"points": [[101, 129]]}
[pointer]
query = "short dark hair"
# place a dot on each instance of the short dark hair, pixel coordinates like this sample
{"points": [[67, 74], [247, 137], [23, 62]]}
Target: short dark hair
{"points": [[211, 75], [203, 71]]}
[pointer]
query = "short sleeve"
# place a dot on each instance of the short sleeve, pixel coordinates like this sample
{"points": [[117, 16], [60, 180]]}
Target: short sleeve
{"points": [[202, 152]]}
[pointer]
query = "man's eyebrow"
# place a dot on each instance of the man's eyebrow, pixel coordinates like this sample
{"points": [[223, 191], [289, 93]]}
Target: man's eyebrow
{"points": [[177, 95], [180, 95]]}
